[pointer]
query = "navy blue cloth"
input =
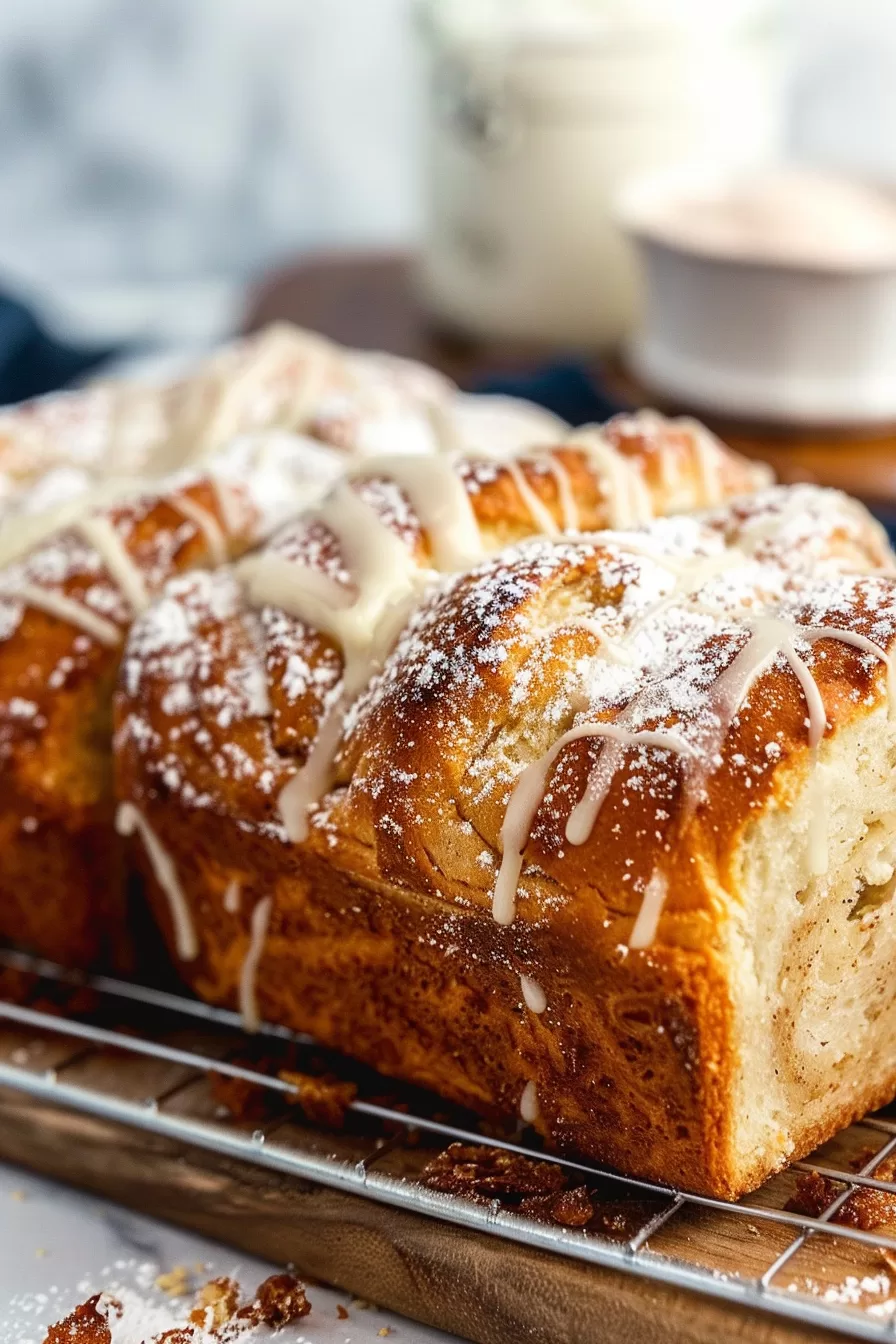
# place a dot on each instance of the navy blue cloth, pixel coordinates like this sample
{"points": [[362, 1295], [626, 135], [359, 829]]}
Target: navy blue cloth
{"points": [[567, 388], [32, 361]]}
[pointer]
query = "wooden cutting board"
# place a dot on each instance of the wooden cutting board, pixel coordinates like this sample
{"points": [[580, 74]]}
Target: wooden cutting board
{"points": [[483, 1287]]}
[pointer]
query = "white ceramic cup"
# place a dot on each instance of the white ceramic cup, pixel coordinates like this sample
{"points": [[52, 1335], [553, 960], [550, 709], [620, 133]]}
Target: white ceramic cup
{"points": [[759, 339]]}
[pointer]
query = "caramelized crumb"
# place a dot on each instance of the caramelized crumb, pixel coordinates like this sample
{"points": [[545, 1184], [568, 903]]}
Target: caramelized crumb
{"points": [[324, 1100], [87, 1324], [341, 1313], [280, 1301], [217, 1302], [493, 1173], [569, 1208], [242, 1099], [869, 1210]]}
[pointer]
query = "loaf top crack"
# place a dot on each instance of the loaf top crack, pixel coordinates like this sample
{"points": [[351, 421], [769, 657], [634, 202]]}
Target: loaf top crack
{"points": [[601, 712]]}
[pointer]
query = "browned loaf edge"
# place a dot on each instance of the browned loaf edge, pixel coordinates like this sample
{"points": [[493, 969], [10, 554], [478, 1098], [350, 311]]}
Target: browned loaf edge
{"points": [[62, 874], [379, 937]]}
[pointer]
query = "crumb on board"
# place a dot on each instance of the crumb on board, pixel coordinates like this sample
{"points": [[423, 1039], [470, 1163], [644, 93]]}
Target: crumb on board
{"points": [[176, 1282], [217, 1316]]}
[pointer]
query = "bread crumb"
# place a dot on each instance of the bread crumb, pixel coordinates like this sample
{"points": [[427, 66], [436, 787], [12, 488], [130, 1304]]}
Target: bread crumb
{"points": [[176, 1282], [217, 1303], [18, 1196], [341, 1313], [384, 1331]]}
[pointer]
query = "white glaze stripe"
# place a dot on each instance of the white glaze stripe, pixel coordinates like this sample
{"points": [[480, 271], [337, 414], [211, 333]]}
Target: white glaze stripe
{"points": [[66, 609], [208, 526], [232, 896], [441, 503], [527, 796], [130, 820], [533, 994], [645, 926], [248, 990], [102, 536]]}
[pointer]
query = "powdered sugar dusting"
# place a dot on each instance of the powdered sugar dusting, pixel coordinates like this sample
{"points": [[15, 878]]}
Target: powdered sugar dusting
{"points": [[511, 654]]}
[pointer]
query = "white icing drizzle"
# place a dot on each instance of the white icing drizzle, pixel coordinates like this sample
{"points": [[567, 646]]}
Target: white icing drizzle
{"points": [[312, 780], [387, 583], [816, 632], [230, 504], [645, 926], [26, 529], [66, 609], [264, 367], [102, 536], [538, 510], [385, 574], [569, 508], [709, 459], [529, 1103], [614, 649], [248, 997], [208, 526], [527, 796], [131, 820], [533, 994], [233, 896], [628, 498], [769, 637], [441, 503]]}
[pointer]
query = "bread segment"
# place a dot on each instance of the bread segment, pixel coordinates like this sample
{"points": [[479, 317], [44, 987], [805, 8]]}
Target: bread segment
{"points": [[715, 689]]}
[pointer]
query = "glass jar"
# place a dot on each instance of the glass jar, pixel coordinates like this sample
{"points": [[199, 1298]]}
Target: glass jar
{"points": [[538, 111]]}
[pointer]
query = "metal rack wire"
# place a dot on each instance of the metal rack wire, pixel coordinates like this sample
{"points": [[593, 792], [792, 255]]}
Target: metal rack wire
{"points": [[154, 1025]]}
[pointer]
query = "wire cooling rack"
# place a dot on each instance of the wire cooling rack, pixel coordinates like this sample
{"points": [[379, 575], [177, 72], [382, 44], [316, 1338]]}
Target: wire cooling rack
{"points": [[167, 1049]]}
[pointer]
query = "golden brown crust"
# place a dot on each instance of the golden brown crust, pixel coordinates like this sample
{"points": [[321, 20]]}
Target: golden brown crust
{"points": [[62, 880], [381, 940]]}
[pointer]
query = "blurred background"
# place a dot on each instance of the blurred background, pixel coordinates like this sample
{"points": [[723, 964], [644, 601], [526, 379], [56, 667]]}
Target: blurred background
{"points": [[157, 156], [161, 160]]}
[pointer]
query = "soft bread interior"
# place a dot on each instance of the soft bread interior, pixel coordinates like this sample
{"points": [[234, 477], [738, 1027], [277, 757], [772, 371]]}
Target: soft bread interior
{"points": [[812, 957]]}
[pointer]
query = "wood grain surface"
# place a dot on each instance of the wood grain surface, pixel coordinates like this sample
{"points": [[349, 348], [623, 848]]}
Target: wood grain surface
{"points": [[480, 1287]]}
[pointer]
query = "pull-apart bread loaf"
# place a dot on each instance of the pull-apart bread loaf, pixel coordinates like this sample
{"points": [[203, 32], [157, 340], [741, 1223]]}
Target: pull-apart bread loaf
{"points": [[93, 522], [74, 577], [600, 831], [284, 378]]}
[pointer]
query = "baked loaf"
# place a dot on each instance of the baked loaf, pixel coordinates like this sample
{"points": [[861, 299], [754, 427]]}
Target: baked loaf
{"points": [[607, 840], [67, 595], [80, 456], [283, 379]]}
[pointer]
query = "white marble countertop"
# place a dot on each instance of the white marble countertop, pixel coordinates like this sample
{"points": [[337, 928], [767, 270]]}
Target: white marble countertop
{"points": [[58, 1246]]}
